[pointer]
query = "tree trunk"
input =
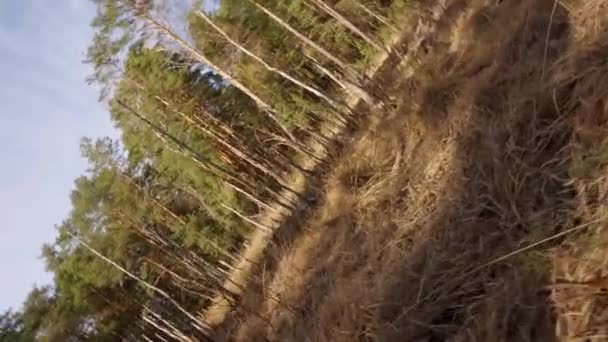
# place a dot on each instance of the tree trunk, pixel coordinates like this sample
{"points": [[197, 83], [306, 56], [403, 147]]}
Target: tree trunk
{"points": [[181, 221], [347, 86], [209, 166], [169, 330], [179, 281], [190, 264], [242, 155], [199, 125], [257, 201], [225, 75], [198, 325], [377, 16], [232, 210], [210, 211], [268, 67], [344, 66], [247, 219], [346, 23]]}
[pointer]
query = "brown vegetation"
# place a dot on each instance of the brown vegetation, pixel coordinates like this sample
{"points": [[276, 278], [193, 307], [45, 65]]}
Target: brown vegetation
{"points": [[430, 223]]}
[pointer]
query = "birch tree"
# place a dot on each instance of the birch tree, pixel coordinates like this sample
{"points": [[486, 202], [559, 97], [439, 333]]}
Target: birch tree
{"points": [[384, 20], [346, 23], [129, 12], [307, 41], [224, 175], [205, 129], [311, 89], [353, 77], [197, 323]]}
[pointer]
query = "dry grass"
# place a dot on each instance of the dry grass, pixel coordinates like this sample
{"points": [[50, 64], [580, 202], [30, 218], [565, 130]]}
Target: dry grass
{"points": [[496, 141], [580, 266], [280, 218]]}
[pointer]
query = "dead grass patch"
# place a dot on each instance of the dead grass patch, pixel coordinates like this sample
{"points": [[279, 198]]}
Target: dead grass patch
{"points": [[495, 143]]}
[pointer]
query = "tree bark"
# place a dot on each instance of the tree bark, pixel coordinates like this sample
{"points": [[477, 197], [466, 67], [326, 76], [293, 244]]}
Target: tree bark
{"points": [[347, 86], [307, 41], [256, 200], [190, 264], [179, 280], [242, 155], [181, 221], [199, 325], [173, 332], [209, 166], [271, 113], [268, 67], [346, 23], [377, 16], [232, 210], [247, 219]]}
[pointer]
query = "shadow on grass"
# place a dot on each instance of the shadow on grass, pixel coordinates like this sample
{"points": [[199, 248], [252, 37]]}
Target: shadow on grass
{"points": [[424, 264]]}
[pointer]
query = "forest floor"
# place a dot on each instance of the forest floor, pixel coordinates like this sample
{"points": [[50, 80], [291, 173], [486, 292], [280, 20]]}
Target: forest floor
{"points": [[472, 206]]}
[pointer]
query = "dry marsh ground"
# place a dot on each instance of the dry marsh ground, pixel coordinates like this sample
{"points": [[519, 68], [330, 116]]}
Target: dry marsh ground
{"points": [[472, 207]]}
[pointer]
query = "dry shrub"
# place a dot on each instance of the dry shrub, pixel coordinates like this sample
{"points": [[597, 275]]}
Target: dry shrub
{"points": [[579, 272]]}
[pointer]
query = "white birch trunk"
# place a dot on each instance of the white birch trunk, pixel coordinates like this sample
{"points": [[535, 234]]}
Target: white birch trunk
{"points": [[247, 219], [268, 67], [377, 16], [271, 113], [346, 23], [199, 325], [344, 66]]}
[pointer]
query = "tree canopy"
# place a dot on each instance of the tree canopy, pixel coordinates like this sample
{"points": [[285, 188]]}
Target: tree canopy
{"points": [[214, 119]]}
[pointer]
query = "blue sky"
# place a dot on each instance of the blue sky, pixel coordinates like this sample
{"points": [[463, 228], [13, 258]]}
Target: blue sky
{"points": [[46, 107]]}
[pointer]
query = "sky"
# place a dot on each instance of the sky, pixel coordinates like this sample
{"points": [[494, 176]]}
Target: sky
{"points": [[45, 108]]}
